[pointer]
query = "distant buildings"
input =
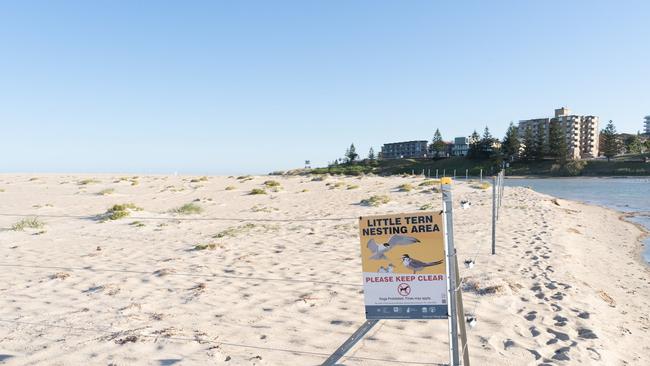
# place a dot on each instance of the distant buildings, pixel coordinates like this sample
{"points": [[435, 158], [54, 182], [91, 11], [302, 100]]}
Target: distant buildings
{"points": [[405, 149], [646, 124], [460, 146], [581, 132], [418, 149]]}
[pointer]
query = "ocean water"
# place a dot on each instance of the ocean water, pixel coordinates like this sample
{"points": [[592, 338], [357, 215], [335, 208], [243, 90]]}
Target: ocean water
{"points": [[631, 195]]}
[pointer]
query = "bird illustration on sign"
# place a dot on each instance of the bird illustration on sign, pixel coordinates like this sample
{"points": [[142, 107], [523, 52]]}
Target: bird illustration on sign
{"points": [[418, 265], [379, 250]]}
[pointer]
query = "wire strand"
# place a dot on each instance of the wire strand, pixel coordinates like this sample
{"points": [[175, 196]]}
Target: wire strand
{"points": [[152, 273], [95, 217], [230, 344]]}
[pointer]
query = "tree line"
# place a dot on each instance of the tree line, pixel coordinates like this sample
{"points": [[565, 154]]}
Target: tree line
{"points": [[535, 145]]}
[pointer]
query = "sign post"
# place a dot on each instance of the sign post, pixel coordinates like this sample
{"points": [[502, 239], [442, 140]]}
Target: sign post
{"points": [[494, 214], [452, 285], [354, 338], [410, 271]]}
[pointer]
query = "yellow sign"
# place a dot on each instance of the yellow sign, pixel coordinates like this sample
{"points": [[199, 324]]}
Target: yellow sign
{"points": [[403, 260]]}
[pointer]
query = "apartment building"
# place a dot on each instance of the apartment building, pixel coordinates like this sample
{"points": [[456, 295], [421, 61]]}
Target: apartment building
{"points": [[460, 147], [646, 124], [405, 149], [581, 132]]}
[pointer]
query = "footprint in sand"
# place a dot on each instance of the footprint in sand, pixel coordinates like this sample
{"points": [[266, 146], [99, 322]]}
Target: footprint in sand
{"points": [[508, 343], [535, 353], [558, 336], [594, 354], [581, 314], [562, 354], [586, 333], [560, 321], [532, 315]]}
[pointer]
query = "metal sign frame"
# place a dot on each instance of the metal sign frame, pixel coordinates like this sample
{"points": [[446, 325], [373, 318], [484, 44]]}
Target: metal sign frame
{"points": [[455, 311]]}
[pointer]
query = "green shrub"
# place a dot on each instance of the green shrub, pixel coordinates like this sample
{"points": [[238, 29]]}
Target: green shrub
{"points": [[196, 180], [376, 200], [187, 209], [427, 206], [352, 186], [230, 188], [28, 223], [574, 167], [255, 191], [137, 224], [106, 192]]}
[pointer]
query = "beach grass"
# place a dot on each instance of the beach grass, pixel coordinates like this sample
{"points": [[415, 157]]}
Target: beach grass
{"points": [[28, 223], [272, 183], [210, 246], [335, 185], [234, 231], [406, 187], [187, 209], [483, 185], [85, 182], [120, 211], [429, 182], [376, 200]]}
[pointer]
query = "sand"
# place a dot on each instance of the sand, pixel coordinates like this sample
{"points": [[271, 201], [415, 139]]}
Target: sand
{"points": [[567, 285]]}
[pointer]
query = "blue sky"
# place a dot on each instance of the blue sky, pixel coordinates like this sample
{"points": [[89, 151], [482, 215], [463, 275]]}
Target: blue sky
{"points": [[224, 87]]}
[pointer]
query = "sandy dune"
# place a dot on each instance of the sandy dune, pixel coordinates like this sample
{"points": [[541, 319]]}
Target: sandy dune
{"points": [[567, 285]]}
